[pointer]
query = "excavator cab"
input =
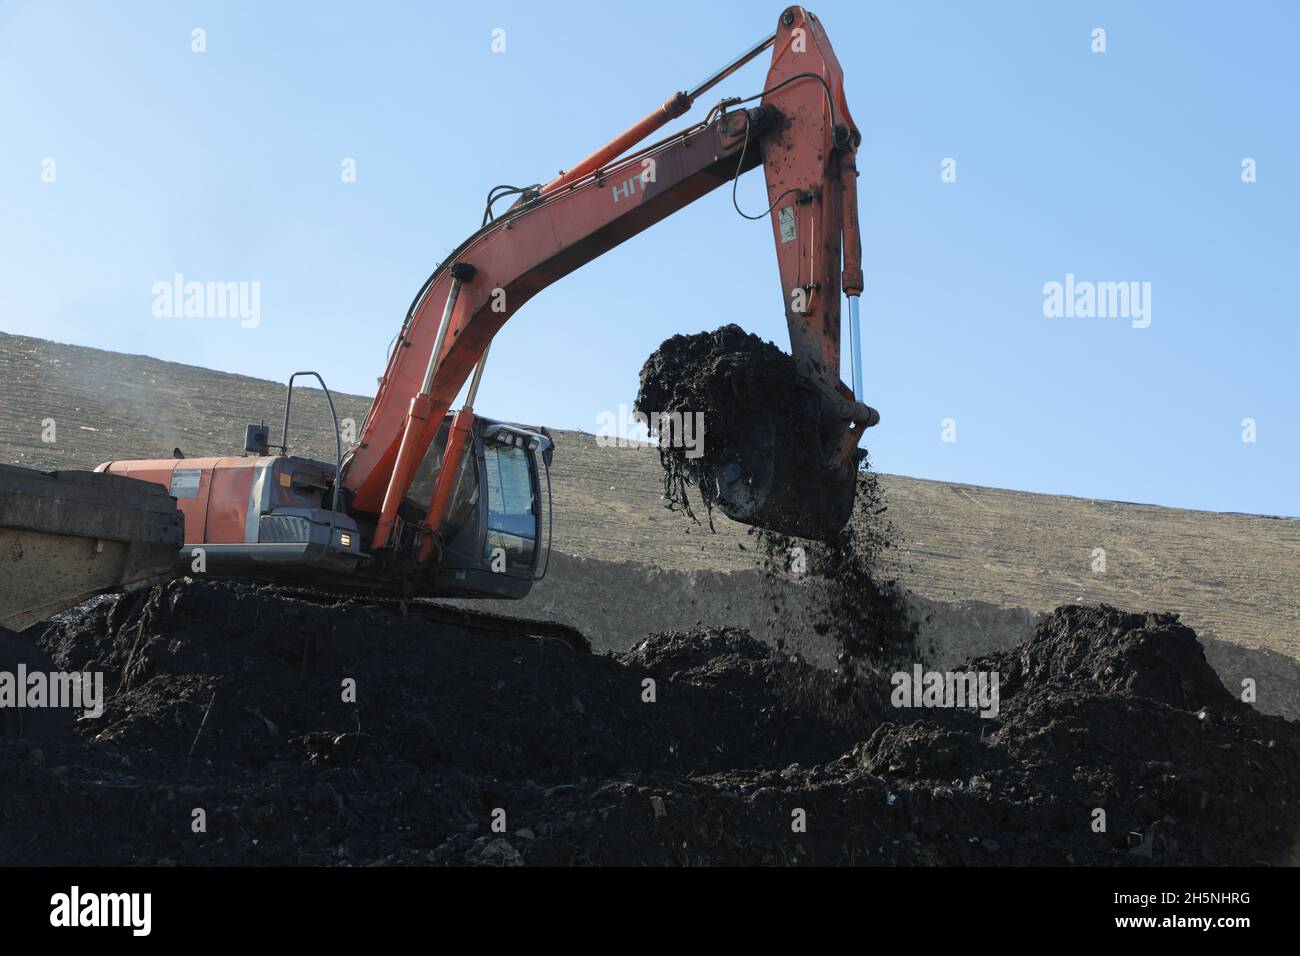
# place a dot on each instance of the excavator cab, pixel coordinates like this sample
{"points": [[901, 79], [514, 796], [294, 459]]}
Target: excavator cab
{"points": [[495, 534]]}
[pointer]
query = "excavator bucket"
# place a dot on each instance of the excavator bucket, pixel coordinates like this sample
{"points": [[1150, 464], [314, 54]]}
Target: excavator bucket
{"points": [[791, 478], [767, 445]]}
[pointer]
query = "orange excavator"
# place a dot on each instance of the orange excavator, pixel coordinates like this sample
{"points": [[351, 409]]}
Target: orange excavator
{"points": [[436, 502]]}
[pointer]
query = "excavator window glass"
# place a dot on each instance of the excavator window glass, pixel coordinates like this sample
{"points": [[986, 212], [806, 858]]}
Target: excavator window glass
{"points": [[462, 507], [417, 496], [512, 507], [465, 497]]}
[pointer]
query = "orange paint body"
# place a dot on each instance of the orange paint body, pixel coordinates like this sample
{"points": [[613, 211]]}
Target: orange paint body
{"points": [[218, 511]]}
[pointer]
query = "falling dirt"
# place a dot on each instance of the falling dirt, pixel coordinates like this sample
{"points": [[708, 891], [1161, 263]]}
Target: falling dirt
{"points": [[857, 603], [226, 704], [742, 385]]}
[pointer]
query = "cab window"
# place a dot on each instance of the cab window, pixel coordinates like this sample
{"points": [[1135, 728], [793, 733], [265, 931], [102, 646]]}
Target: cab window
{"points": [[512, 509]]}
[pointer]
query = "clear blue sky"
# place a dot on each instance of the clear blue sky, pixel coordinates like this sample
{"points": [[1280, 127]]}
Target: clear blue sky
{"points": [[1121, 166]]}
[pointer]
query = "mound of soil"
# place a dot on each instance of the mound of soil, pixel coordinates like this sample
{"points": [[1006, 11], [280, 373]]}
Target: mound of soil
{"points": [[1144, 655], [230, 736], [265, 674]]}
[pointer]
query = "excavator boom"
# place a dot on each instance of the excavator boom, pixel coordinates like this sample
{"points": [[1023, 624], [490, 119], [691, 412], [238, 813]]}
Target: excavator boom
{"points": [[800, 131]]}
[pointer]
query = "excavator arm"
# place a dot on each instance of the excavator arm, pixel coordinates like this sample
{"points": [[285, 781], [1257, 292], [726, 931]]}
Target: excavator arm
{"points": [[800, 131]]}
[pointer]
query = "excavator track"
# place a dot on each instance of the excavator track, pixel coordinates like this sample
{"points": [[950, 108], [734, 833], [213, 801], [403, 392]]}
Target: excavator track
{"points": [[503, 626]]}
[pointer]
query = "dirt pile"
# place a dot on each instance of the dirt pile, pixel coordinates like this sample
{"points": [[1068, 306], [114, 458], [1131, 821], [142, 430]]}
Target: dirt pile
{"points": [[267, 678], [1105, 711], [227, 704], [1142, 655]]}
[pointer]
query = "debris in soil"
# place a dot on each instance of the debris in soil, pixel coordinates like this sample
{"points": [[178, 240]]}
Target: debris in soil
{"points": [[691, 748], [734, 419]]}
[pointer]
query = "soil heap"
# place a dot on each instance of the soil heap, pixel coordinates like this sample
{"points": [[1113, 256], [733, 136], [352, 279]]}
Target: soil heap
{"points": [[233, 700]]}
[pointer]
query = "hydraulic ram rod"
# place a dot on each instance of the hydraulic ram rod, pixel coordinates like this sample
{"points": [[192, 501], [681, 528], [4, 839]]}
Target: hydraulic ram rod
{"points": [[855, 347], [676, 105]]}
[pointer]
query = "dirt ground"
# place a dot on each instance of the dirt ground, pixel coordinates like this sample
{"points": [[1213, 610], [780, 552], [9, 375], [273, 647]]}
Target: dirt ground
{"points": [[227, 738]]}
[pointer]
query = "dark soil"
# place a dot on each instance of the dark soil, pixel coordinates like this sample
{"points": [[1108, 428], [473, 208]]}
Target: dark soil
{"points": [[229, 699], [709, 373], [860, 605]]}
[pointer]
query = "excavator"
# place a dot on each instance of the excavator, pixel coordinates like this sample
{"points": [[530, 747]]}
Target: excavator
{"points": [[440, 502]]}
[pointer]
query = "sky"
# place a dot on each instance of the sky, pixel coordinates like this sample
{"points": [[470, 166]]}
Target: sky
{"points": [[1002, 152]]}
